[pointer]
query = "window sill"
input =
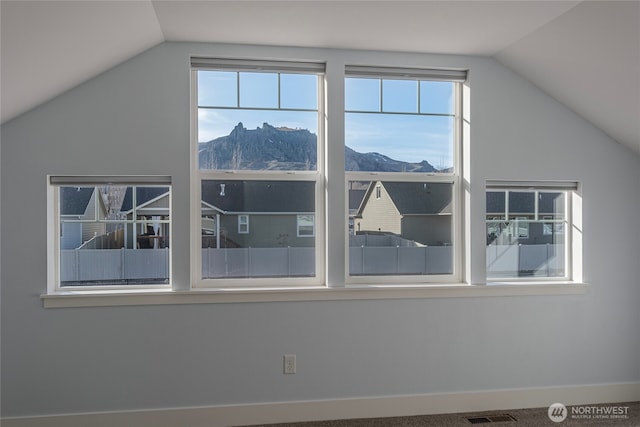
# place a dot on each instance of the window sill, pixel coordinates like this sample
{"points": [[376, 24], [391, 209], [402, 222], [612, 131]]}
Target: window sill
{"points": [[234, 295]]}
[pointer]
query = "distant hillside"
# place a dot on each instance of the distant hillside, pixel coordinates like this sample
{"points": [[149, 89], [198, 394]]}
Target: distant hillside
{"points": [[376, 162], [265, 148], [270, 148]]}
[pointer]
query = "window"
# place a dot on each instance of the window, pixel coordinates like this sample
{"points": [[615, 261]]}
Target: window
{"points": [[243, 224], [528, 230], [306, 226], [402, 137], [110, 232], [259, 155]]}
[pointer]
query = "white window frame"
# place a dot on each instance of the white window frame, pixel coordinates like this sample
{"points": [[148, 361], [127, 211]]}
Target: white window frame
{"points": [[315, 176], [457, 77], [54, 228], [571, 224], [243, 224]]}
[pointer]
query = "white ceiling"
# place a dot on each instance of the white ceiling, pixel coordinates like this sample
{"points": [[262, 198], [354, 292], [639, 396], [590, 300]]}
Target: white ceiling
{"points": [[586, 54]]}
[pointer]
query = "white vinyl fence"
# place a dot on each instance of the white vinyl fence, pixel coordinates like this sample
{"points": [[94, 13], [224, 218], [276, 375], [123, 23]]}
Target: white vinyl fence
{"points": [[381, 240], [258, 262], [400, 260], [138, 265], [103, 265], [544, 260]]}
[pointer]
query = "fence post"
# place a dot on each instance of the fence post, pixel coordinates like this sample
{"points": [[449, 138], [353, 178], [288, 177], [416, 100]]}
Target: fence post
{"points": [[547, 262], [167, 261], [397, 259], [204, 266], [226, 262], [76, 254], [288, 261], [519, 259], [426, 259], [123, 266], [363, 257]]}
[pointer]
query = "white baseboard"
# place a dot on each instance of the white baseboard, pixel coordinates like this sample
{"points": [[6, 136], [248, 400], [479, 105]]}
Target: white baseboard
{"points": [[317, 410]]}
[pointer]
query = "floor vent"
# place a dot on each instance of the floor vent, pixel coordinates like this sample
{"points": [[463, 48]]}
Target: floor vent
{"points": [[484, 419]]}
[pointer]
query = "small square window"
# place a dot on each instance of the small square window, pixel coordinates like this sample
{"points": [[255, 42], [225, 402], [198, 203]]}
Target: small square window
{"points": [[525, 237], [110, 234]]}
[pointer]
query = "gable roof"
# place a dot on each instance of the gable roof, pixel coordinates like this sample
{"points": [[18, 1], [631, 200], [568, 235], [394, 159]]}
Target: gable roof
{"points": [[355, 199], [419, 198], [74, 200], [549, 202], [415, 198], [143, 195]]}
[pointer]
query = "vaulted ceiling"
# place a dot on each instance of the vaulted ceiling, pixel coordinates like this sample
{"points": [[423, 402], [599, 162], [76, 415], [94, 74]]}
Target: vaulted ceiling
{"points": [[585, 54]]}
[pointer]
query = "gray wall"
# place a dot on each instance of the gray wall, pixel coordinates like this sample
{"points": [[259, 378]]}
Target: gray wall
{"points": [[118, 358]]}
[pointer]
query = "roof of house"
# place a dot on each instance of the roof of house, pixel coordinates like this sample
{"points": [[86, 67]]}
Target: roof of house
{"points": [[260, 196], [355, 199], [415, 198], [524, 202], [74, 200], [420, 197], [143, 195]]}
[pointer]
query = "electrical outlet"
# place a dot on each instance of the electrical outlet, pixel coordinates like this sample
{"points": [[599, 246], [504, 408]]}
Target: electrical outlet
{"points": [[289, 363]]}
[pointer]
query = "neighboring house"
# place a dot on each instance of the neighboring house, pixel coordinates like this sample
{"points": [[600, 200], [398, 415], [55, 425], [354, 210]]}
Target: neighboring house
{"points": [[80, 203], [411, 210], [259, 214], [75, 204], [153, 205], [357, 190], [87, 204]]}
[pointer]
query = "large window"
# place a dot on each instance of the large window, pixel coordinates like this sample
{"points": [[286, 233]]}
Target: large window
{"points": [[257, 162], [402, 138], [529, 229], [110, 231]]}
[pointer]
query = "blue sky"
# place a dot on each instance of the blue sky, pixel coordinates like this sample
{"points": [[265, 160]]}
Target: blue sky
{"points": [[382, 116]]}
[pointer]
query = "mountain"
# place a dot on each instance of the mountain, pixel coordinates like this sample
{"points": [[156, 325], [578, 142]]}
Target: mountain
{"points": [[376, 162], [271, 148], [265, 148]]}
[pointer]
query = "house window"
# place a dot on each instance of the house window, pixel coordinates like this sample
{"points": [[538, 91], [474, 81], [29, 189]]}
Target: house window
{"points": [[306, 226], [402, 137], [110, 232], [259, 154], [243, 224], [528, 230]]}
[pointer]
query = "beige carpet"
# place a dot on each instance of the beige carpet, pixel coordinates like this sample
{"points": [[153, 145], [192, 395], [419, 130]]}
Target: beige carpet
{"points": [[520, 417]]}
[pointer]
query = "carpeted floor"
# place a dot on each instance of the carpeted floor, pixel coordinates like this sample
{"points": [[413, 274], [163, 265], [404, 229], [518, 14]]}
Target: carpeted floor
{"points": [[620, 414]]}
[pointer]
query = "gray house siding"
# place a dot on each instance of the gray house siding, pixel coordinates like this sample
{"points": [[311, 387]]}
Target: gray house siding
{"points": [[379, 214], [265, 231], [414, 211], [71, 235], [431, 230]]}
